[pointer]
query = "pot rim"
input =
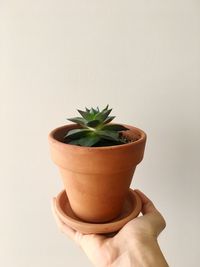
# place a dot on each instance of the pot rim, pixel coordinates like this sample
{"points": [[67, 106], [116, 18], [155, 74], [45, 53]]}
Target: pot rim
{"points": [[52, 139]]}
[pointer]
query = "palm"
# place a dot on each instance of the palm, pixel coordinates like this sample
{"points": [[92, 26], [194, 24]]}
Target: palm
{"points": [[103, 250], [96, 248]]}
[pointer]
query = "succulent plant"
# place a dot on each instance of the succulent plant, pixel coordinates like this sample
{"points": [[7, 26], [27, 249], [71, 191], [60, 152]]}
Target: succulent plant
{"points": [[95, 129]]}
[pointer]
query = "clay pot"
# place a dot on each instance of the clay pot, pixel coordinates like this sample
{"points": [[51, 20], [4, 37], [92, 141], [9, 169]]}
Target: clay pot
{"points": [[97, 179]]}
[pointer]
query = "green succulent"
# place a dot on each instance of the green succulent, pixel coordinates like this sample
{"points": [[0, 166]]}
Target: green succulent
{"points": [[95, 129]]}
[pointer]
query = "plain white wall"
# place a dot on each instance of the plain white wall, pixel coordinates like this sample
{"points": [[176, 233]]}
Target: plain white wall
{"points": [[141, 57]]}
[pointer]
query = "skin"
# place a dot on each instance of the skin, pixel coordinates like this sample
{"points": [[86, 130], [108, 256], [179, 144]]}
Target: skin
{"points": [[135, 245]]}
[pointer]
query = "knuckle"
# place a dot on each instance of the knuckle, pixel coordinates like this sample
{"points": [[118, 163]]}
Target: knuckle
{"points": [[164, 223]]}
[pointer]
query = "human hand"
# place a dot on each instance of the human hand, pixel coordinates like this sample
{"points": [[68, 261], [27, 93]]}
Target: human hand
{"points": [[134, 245]]}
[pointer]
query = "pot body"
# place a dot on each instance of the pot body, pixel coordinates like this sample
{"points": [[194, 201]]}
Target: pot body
{"points": [[97, 179]]}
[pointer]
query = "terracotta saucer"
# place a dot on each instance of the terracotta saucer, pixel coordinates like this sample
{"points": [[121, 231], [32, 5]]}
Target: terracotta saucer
{"points": [[132, 208]]}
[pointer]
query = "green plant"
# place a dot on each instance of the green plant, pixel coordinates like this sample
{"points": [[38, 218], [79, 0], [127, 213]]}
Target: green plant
{"points": [[95, 129]]}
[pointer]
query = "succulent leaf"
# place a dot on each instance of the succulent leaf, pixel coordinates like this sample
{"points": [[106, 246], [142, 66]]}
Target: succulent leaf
{"points": [[86, 141], [106, 107], [95, 129], [86, 115], [103, 115], [110, 135], [93, 123], [109, 119], [78, 120], [77, 133], [93, 111]]}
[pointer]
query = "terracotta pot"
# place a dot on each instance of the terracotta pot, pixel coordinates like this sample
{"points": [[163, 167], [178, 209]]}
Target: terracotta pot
{"points": [[97, 179]]}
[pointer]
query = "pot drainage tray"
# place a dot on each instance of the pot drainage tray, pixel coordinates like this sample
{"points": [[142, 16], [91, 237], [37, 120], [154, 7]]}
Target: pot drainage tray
{"points": [[132, 208]]}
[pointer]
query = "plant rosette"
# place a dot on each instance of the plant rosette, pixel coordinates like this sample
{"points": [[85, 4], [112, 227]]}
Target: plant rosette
{"points": [[97, 160]]}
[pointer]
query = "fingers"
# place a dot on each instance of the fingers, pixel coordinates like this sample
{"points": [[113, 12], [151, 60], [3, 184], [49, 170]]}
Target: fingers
{"points": [[61, 225], [76, 236], [151, 213], [147, 204]]}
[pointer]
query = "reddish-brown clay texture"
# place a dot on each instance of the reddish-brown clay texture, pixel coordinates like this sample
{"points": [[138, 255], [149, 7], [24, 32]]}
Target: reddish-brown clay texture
{"points": [[130, 210], [97, 179]]}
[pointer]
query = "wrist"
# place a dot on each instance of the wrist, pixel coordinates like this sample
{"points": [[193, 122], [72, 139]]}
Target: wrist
{"points": [[142, 251], [147, 253]]}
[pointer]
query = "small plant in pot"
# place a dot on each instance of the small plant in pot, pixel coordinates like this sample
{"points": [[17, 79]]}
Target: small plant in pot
{"points": [[97, 160]]}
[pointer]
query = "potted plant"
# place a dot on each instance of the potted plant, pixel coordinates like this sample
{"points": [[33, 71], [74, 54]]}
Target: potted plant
{"points": [[97, 160]]}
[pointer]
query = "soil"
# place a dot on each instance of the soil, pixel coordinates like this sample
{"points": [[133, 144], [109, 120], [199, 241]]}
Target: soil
{"points": [[105, 142]]}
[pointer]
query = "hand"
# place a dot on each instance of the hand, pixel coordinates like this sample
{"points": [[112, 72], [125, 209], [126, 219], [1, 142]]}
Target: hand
{"points": [[134, 245]]}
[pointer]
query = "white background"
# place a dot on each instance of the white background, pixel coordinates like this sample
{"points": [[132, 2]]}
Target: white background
{"points": [[141, 57]]}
